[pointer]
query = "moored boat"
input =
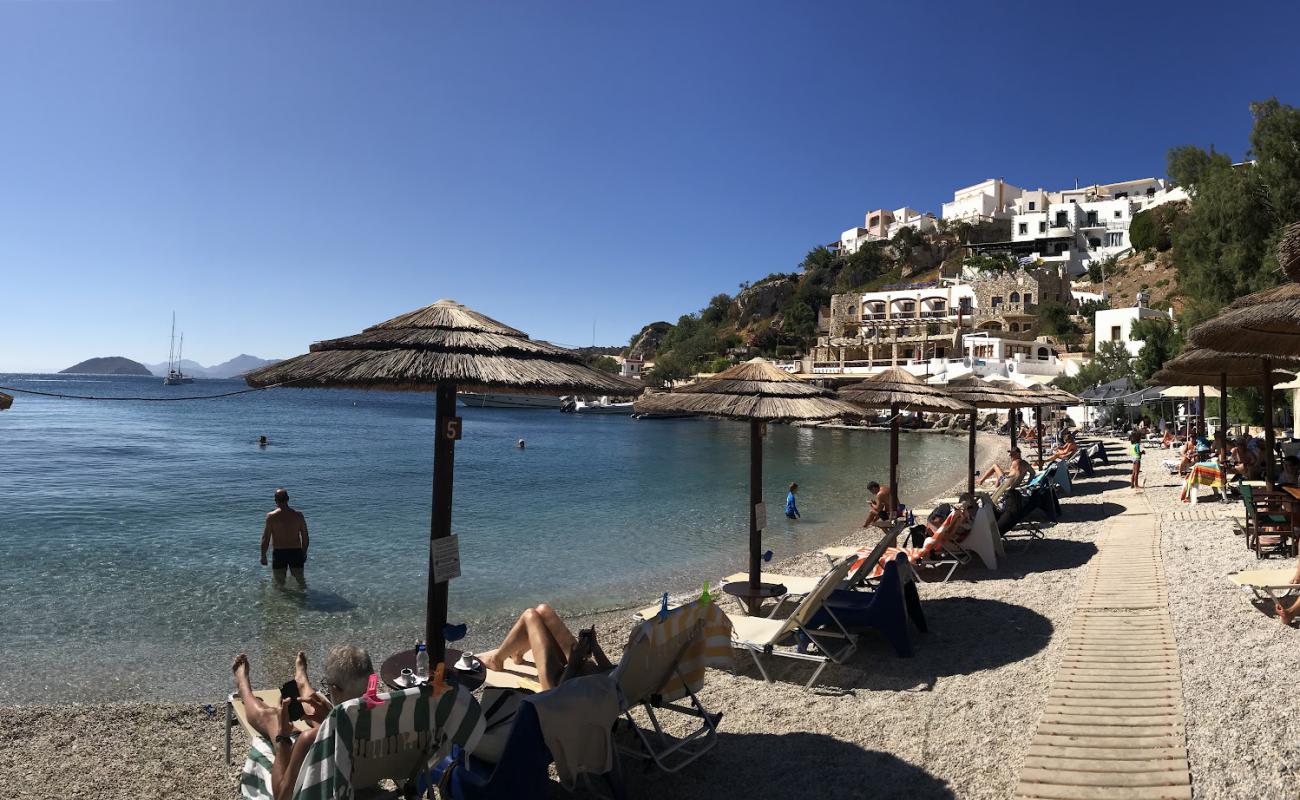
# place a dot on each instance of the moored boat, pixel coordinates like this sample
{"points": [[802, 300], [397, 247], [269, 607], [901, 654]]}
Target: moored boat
{"points": [[494, 400]]}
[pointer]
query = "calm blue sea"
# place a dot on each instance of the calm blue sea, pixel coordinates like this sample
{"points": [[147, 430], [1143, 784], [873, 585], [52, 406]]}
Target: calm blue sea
{"points": [[129, 531]]}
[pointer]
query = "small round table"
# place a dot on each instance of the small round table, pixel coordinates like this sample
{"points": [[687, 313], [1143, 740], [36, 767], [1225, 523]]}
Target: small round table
{"points": [[392, 668], [752, 597]]}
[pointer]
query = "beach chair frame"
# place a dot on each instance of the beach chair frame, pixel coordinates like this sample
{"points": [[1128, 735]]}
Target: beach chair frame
{"points": [[827, 640], [671, 753]]}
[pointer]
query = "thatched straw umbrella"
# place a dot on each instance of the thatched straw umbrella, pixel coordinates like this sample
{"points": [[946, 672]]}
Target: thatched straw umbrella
{"points": [[758, 393], [5, 401], [1204, 361], [1041, 397], [977, 393], [895, 389], [441, 348]]}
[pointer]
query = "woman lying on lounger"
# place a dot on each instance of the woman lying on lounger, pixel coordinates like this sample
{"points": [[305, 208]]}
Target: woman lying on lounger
{"points": [[946, 523], [557, 653]]}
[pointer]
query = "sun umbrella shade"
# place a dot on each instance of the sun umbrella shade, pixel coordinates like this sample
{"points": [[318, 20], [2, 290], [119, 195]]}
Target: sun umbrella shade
{"points": [[1206, 361], [1048, 396], [1194, 390], [442, 342], [441, 348], [5, 401], [974, 391], [754, 391], [898, 387], [1265, 323], [1190, 380]]}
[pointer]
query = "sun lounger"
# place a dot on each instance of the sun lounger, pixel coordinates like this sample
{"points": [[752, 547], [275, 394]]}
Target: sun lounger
{"points": [[888, 607], [798, 586], [356, 746], [1266, 585], [1017, 507], [663, 669], [1268, 522], [761, 636], [236, 714]]}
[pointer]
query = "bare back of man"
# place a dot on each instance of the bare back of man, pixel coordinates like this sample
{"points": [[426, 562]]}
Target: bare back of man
{"points": [[286, 534]]}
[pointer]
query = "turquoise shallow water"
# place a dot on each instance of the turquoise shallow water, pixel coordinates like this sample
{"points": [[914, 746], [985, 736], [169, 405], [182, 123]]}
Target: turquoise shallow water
{"points": [[129, 531]]}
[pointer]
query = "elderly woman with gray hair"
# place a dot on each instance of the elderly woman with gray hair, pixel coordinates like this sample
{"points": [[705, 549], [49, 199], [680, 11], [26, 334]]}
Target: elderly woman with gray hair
{"points": [[347, 676]]}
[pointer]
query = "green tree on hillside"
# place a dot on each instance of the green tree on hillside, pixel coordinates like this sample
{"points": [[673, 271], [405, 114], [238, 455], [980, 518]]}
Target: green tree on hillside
{"points": [[1111, 362], [1161, 341], [1223, 246]]}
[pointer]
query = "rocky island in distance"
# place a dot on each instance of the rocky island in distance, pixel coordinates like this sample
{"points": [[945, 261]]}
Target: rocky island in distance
{"points": [[107, 365]]}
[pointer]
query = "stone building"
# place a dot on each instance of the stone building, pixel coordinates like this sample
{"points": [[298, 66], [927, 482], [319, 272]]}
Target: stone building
{"points": [[988, 316]]}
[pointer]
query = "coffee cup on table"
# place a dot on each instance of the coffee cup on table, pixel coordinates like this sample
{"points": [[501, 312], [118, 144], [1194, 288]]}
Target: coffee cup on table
{"points": [[408, 677]]}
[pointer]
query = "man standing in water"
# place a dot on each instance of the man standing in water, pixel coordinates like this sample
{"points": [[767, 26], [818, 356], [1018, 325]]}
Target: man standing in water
{"points": [[286, 533]]}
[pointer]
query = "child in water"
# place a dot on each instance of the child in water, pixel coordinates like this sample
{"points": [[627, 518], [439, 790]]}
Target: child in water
{"points": [[791, 510]]}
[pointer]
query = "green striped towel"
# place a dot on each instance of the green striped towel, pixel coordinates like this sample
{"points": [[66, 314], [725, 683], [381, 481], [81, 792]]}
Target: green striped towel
{"points": [[352, 730]]}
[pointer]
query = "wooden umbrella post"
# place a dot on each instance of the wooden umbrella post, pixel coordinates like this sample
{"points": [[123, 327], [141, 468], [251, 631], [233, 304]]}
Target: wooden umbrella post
{"points": [[970, 466], [893, 457], [1038, 422], [444, 467], [755, 498], [1223, 403], [1013, 422], [1268, 423], [1200, 410]]}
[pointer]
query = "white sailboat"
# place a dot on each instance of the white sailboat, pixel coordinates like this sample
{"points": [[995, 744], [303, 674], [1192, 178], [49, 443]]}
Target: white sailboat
{"points": [[174, 375]]}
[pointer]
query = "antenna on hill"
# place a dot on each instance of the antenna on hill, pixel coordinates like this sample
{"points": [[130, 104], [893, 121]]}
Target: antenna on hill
{"points": [[593, 331]]}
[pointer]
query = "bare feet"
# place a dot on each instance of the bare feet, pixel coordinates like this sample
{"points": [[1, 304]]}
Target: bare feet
{"points": [[300, 675], [240, 668], [493, 660], [1283, 614]]}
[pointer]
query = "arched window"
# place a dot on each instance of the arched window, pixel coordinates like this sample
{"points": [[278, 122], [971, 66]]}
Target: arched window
{"points": [[853, 310], [1015, 327], [1015, 297], [1043, 353]]}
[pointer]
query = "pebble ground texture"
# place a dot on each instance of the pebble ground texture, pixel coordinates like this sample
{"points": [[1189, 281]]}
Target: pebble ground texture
{"points": [[957, 720]]}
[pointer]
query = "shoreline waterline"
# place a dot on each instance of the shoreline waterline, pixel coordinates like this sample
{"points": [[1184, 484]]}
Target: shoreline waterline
{"points": [[159, 509]]}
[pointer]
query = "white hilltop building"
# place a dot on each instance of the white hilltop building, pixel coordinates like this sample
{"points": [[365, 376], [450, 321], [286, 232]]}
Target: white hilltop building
{"points": [[990, 199], [880, 225], [1116, 324], [1074, 227]]}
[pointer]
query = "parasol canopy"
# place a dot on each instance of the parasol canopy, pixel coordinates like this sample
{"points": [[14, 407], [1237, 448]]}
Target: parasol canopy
{"points": [[441, 348], [757, 392], [753, 391], [1188, 391], [5, 401], [898, 387], [975, 391]]}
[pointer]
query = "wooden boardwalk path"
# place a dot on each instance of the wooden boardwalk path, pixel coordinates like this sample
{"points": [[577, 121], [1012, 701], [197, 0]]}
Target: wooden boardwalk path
{"points": [[1113, 727]]}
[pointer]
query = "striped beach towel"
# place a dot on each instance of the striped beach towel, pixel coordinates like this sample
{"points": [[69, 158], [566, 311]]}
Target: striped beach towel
{"points": [[709, 633], [412, 718]]}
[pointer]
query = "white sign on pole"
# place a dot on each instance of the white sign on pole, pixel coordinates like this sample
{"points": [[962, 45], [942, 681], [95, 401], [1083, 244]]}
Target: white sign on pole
{"points": [[760, 516], [446, 559]]}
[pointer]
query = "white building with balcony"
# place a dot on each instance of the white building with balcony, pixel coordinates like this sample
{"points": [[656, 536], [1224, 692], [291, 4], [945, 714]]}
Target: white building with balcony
{"points": [[1072, 233], [1116, 325], [990, 199]]}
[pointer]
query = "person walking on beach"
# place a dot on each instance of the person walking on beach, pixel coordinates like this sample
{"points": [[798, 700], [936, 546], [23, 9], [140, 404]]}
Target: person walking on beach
{"points": [[792, 510], [286, 534]]}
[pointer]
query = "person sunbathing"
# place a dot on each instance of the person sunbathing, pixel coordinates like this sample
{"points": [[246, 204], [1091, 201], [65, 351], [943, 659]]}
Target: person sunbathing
{"points": [[1189, 457], [883, 508], [1067, 449], [1015, 472], [1167, 441], [946, 523], [557, 653], [1242, 459], [347, 676]]}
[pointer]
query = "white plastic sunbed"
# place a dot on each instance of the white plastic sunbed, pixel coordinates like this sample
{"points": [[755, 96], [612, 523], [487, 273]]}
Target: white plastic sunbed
{"points": [[1270, 585], [761, 636]]}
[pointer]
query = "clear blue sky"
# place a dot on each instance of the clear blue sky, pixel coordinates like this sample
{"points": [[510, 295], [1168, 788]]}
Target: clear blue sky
{"points": [[281, 172]]}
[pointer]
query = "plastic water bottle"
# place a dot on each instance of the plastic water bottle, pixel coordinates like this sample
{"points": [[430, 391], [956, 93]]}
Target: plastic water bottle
{"points": [[421, 662]]}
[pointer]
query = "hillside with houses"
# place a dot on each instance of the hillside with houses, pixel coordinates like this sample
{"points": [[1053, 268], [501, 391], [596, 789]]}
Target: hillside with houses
{"points": [[1079, 286]]}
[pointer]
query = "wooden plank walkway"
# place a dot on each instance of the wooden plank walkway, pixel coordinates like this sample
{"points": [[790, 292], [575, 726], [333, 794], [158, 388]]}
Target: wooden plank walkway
{"points": [[1113, 726]]}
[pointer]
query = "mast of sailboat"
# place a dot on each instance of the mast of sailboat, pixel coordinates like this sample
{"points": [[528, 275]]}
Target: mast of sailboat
{"points": [[180, 352], [171, 347]]}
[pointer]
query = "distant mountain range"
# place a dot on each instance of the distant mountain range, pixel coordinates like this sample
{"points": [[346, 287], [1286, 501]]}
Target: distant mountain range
{"points": [[108, 365], [233, 368]]}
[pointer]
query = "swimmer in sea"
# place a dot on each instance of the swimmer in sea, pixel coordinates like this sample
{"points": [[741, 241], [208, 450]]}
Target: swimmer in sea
{"points": [[520, 444]]}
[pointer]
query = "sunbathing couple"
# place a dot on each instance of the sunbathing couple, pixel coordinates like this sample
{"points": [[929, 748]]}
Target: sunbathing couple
{"points": [[347, 676], [946, 523]]}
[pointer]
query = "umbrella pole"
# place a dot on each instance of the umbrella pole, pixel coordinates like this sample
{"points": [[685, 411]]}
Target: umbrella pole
{"points": [[1223, 404], [1268, 423], [1013, 422], [1200, 410], [755, 497], [970, 468], [893, 456], [444, 457], [1038, 421]]}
